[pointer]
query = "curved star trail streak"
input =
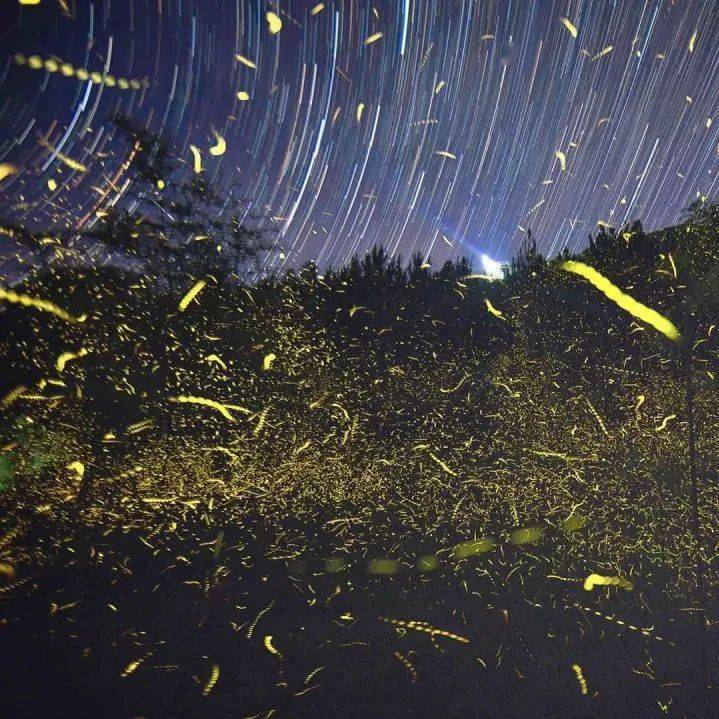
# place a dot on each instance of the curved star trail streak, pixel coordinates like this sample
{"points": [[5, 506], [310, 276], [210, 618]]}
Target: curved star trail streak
{"points": [[466, 108]]}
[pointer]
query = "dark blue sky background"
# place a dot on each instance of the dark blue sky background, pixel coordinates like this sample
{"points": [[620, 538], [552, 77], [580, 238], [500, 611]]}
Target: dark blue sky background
{"points": [[499, 87]]}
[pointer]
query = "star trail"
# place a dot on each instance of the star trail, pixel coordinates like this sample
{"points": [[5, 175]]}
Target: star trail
{"points": [[445, 128]]}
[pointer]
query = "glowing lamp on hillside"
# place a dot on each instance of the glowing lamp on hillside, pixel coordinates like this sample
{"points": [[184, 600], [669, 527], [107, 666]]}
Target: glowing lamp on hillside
{"points": [[491, 267]]}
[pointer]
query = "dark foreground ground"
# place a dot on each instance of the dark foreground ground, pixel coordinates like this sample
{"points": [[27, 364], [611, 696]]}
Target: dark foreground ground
{"points": [[200, 621]]}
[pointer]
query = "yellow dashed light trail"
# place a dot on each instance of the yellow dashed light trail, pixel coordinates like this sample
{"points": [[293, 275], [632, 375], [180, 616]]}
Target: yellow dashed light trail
{"points": [[580, 678], [39, 304], [191, 294], [35, 62], [627, 303], [222, 409], [65, 357], [212, 680]]}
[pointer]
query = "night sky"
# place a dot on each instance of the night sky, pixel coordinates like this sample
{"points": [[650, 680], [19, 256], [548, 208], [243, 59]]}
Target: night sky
{"points": [[461, 126]]}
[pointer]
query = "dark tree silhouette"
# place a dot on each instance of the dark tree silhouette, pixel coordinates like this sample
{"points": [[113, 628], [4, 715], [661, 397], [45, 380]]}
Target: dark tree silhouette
{"points": [[528, 261], [175, 224]]}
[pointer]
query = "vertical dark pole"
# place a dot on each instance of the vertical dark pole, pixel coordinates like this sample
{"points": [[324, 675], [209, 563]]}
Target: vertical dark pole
{"points": [[693, 478], [694, 497], [691, 426]]}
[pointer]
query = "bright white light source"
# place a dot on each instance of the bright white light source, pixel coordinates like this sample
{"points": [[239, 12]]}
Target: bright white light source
{"points": [[491, 267]]}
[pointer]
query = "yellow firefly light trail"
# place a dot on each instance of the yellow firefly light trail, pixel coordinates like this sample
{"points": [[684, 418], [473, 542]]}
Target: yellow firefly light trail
{"points": [[246, 61], [52, 65], [197, 164], [65, 357], [570, 26], [6, 169], [193, 292], [220, 147], [39, 304], [274, 23], [627, 303], [214, 676], [222, 409], [268, 360], [494, 310], [580, 678], [595, 580]]}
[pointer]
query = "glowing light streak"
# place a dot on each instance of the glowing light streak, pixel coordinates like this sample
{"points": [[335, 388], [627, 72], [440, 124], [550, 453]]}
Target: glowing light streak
{"points": [[627, 303]]}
